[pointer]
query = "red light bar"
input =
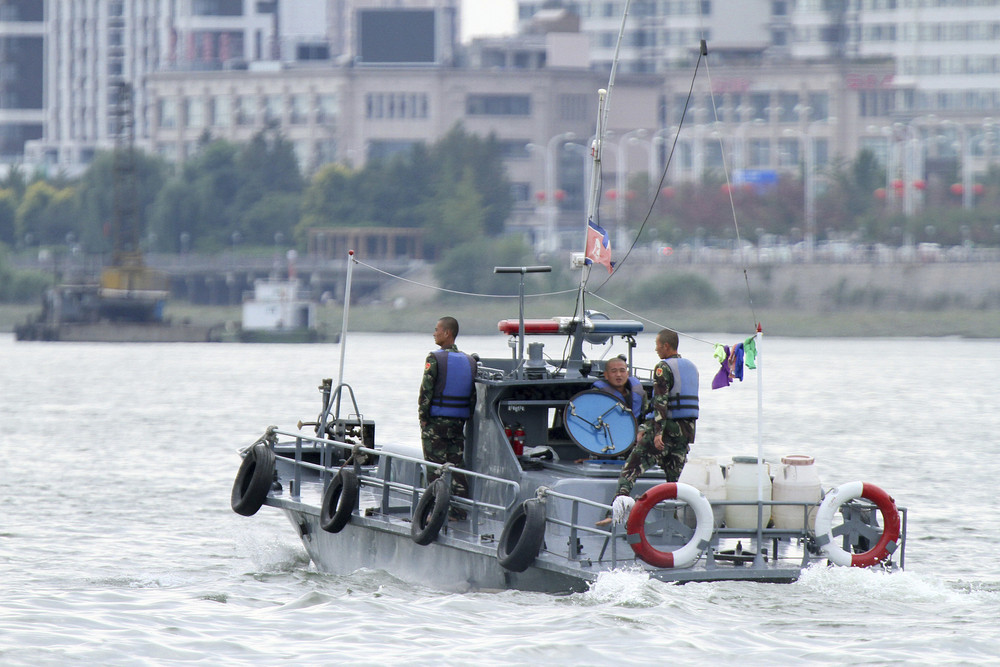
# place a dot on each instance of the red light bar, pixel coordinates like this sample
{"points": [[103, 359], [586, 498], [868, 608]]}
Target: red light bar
{"points": [[534, 327]]}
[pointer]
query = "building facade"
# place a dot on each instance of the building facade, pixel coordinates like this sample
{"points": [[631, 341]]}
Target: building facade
{"points": [[944, 51], [769, 120]]}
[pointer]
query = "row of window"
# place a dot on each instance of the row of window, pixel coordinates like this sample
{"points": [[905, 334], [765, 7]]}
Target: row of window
{"points": [[738, 107], [648, 38], [924, 32], [860, 5], [950, 65], [957, 100], [498, 105], [396, 106], [225, 110]]}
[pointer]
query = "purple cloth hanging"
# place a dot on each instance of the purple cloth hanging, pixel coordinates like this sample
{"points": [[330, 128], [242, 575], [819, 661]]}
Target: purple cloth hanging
{"points": [[722, 378]]}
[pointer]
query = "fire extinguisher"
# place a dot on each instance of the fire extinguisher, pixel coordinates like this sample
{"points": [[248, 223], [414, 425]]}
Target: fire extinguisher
{"points": [[517, 442]]}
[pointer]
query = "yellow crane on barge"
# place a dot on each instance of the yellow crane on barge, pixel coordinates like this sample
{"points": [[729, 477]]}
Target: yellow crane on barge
{"points": [[129, 290]]}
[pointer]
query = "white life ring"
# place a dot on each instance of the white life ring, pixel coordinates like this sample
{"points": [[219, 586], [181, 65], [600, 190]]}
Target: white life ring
{"points": [[687, 554], [890, 525]]}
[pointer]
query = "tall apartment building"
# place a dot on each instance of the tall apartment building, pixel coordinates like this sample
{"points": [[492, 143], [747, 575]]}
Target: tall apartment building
{"points": [[22, 40], [944, 50], [64, 59]]}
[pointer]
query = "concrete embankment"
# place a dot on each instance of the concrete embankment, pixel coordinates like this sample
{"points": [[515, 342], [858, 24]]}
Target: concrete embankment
{"points": [[822, 287]]}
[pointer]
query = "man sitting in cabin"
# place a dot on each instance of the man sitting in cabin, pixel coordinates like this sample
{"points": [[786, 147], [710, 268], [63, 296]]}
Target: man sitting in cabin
{"points": [[446, 400], [624, 387], [664, 439]]}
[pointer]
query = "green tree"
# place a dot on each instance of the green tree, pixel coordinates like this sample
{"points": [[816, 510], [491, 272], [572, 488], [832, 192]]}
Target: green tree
{"points": [[469, 267], [98, 188], [328, 200], [267, 169], [8, 216], [458, 151], [44, 214], [851, 192], [455, 190]]}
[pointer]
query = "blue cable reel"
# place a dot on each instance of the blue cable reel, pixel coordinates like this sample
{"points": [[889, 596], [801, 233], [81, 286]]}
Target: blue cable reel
{"points": [[600, 423]]}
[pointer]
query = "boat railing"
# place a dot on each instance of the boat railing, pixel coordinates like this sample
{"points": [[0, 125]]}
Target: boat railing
{"points": [[385, 482], [852, 527]]}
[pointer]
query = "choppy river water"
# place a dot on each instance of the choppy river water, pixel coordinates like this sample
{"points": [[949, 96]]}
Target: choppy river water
{"points": [[118, 546]]}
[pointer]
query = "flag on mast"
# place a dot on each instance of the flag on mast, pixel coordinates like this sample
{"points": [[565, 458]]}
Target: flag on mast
{"points": [[598, 246]]}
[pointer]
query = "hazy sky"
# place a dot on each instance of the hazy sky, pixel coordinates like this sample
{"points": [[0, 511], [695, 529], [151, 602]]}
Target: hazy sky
{"points": [[487, 17]]}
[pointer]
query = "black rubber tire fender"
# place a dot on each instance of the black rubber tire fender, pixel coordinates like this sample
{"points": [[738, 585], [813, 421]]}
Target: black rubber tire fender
{"points": [[253, 480], [522, 536], [339, 501], [430, 513]]}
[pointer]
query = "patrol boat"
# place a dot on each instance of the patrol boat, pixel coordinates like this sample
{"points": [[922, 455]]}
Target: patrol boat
{"points": [[543, 454], [544, 449]]}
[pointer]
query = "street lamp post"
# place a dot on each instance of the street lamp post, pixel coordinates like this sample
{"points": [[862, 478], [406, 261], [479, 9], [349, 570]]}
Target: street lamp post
{"points": [[655, 166], [621, 184], [965, 150], [890, 160], [809, 181], [551, 207]]}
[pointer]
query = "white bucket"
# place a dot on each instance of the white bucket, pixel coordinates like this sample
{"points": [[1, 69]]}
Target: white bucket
{"points": [[705, 474], [796, 481], [741, 484]]}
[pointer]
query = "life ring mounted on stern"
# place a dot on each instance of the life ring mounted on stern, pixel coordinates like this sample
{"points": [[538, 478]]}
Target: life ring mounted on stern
{"points": [[685, 556], [886, 544]]}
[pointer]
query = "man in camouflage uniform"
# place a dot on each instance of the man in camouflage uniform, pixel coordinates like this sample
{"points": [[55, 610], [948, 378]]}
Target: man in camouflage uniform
{"points": [[665, 439], [442, 426]]}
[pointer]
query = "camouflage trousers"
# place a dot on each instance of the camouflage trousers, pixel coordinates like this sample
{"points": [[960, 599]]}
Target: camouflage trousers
{"points": [[443, 440], [645, 455]]}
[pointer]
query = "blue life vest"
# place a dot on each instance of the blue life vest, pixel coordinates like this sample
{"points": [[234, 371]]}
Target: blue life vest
{"points": [[456, 374], [682, 401], [637, 393]]}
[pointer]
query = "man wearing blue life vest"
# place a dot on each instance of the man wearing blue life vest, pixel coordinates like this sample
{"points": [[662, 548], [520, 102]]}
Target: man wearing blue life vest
{"points": [[446, 400], [624, 387], [665, 438]]}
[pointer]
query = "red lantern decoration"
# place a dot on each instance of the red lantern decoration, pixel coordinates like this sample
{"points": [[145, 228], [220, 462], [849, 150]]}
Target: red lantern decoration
{"points": [[725, 189], [612, 195], [920, 184], [540, 196], [897, 184], [956, 189], [880, 193], [667, 192], [978, 189], [560, 195]]}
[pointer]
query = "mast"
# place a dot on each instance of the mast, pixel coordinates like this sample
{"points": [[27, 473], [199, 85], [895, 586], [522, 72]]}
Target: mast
{"points": [[597, 148]]}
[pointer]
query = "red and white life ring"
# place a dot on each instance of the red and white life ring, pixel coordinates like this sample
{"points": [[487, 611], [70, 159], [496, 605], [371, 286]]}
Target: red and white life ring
{"points": [[890, 524], [687, 554]]}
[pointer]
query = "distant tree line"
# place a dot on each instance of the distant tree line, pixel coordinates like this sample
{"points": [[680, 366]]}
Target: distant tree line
{"points": [[852, 203], [231, 196], [456, 189]]}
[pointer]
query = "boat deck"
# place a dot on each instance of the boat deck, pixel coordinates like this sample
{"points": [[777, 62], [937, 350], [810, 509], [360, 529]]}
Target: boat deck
{"points": [[574, 550]]}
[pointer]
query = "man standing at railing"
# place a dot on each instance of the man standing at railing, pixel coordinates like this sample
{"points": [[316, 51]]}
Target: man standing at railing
{"points": [[446, 401], [665, 438]]}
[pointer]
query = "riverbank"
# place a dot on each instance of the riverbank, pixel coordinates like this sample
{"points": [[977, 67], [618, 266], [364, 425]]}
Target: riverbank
{"points": [[481, 318]]}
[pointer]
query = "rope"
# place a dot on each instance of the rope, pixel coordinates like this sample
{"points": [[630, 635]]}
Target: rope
{"points": [[649, 321], [451, 291], [732, 202], [663, 174]]}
